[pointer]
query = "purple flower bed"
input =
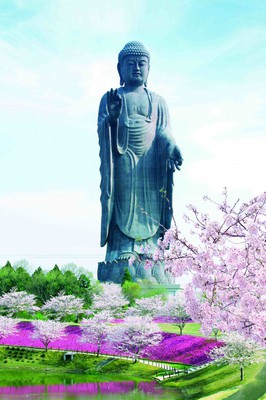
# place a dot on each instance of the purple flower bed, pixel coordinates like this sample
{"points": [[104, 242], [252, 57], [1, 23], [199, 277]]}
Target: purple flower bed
{"points": [[184, 349]]}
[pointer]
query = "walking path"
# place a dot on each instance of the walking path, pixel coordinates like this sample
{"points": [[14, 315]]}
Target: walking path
{"points": [[181, 372]]}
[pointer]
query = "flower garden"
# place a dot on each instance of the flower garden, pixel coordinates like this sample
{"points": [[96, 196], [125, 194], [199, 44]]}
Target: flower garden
{"points": [[185, 349]]}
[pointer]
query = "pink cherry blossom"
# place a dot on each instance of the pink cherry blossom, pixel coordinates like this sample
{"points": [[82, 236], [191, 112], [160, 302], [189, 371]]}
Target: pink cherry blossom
{"points": [[48, 331], [226, 259], [15, 301], [7, 327], [135, 334], [111, 297]]}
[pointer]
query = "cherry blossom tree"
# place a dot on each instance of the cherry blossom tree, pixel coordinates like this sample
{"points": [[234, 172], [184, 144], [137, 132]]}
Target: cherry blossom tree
{"points": [[238, 351], [136, 333], [151, 306], [226, 258], [111, 298], [48, 331], [13, 302], [61, 306], [95, 329], [7, 327], [175, 309]]}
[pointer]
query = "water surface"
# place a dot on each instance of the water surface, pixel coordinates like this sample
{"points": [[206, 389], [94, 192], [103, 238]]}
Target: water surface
{"points": [[15, 384]]}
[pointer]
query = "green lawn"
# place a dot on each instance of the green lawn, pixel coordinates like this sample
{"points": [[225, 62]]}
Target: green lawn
{"points": [[104, 368], [222, 382], [191, 328]]}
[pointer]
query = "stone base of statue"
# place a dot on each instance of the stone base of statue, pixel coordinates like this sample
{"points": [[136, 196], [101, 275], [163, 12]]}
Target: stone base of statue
{"points": [[113, 271]]}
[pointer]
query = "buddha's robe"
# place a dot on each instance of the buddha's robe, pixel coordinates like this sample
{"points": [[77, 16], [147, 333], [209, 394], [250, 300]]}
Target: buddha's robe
{"points": [[134, 168]]}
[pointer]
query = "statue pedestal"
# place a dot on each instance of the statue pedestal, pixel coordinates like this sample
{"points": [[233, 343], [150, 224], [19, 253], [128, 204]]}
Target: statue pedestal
{"points": [[113, 271]]}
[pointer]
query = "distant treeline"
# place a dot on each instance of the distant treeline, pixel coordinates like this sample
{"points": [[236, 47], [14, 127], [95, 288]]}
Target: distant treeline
{"points": [[45, 285]]}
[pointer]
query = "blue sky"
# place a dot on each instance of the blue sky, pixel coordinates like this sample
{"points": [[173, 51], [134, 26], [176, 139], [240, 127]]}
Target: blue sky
{"points": [[58, 57]]}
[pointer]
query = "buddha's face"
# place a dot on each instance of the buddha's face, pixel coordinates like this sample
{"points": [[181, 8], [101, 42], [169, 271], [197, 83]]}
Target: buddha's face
{"points": [[135, 70]]}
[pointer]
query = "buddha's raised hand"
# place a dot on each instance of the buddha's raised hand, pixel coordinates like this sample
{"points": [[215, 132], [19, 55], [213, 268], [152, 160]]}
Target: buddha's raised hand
{"points": [[114, 104]]}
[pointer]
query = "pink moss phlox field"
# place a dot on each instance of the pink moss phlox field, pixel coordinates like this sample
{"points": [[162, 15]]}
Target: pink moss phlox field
{"points": [[91, 389], [184, 349], [73, 329]]}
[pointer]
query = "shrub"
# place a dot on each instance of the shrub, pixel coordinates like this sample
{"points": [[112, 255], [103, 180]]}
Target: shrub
{"points": [[24, 315], [40, 316]]}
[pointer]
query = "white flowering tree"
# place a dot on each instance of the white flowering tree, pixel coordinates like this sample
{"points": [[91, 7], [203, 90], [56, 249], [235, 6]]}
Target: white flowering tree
{"points": [[111, 298], [61, 306], [237, 351], [48, 331], [226, 257], [95, 329], [151, 306], [175, 309], [134, 335], [13, 302], [7, 327]]}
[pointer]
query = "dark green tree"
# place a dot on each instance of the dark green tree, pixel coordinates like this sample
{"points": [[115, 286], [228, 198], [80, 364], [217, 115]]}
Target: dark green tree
{"points": [[126, 276], [39, 286], [23, 279], [70, 282], [8, 265], [85, 290], [55, 282], [7, 278]]}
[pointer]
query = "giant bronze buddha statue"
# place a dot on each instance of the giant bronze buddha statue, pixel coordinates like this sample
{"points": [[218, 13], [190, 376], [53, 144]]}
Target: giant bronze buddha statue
{"points": [[138, 157]]}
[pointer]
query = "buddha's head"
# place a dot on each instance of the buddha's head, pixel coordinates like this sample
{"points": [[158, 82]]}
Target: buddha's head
{"points": [[133, 64]]}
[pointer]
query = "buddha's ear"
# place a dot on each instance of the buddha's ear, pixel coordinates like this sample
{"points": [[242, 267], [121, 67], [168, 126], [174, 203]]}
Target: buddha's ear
{"points": [[145, 83], [120, 75]]}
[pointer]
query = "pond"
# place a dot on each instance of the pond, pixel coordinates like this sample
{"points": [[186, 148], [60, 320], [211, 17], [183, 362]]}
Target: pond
{"points": [[20, 385]]}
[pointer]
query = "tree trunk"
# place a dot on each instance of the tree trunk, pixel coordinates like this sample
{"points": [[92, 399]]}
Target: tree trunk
{"points": [[242, 373]]}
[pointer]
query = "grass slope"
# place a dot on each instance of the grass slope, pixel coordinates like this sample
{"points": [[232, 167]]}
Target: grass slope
{"points": [[94, 368], [191, 328], [222, 382]]}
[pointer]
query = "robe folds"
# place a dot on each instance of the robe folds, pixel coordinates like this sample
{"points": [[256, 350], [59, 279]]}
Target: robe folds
{"points": [[134, 168]]}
